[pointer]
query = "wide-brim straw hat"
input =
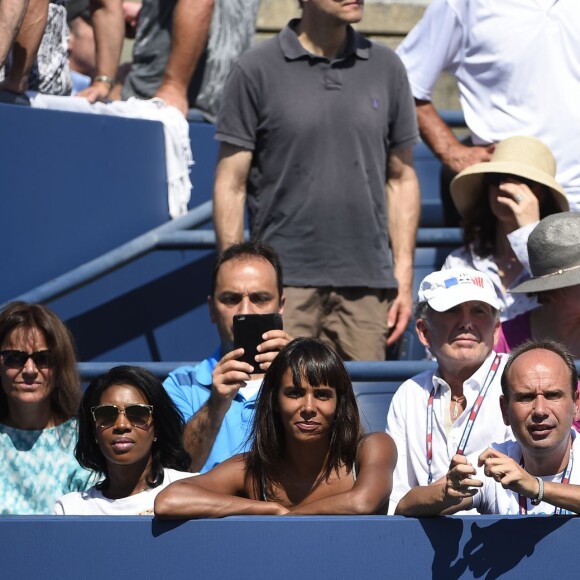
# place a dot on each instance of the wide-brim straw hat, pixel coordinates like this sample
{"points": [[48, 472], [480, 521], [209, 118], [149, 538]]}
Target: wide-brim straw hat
{"points": [[525, 157], [554, 252]]}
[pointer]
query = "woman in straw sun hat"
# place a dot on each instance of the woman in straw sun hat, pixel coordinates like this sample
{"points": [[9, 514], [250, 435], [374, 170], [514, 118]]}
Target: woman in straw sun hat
{"points": [[500, 202]]}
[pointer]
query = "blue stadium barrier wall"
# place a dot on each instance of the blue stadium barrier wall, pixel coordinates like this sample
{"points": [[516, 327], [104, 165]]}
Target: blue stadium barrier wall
{"points": [[332, 547], [76, 186]]}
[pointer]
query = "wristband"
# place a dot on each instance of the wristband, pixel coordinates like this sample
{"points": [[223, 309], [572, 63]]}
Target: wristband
{"points": [[540, 497], [104, 79]]}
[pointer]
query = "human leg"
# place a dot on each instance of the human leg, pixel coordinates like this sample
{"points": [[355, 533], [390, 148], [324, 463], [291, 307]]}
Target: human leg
{"points": [[303, 310], [355, 322], [11, 14]]}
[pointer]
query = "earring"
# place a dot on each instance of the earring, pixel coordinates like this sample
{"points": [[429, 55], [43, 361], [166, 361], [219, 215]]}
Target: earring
{"points": [[154, 439]]}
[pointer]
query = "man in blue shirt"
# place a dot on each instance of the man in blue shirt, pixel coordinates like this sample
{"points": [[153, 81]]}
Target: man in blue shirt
{"points": [[217, 397]]}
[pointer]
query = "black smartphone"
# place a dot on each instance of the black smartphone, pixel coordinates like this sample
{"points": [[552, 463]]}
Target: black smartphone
{"points": [[248, 330]]}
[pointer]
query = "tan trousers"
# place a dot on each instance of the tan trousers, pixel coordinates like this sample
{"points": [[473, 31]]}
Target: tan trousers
{"points": [[351, 320]]}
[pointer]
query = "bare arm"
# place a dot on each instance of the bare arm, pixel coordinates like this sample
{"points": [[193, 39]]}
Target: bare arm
{"points": [[11, 15], [449, 495], [201, 430], [191, 22], [443, 143], [26, 45], [402, 190], [109, 26], [229, 196], [514, 477], [216, 494], [228, 376], [376, 459], [561, 495]]}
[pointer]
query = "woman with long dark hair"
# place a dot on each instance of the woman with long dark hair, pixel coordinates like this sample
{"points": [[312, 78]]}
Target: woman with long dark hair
{"points": [[308, 455], [129, 434], [39, 400]]}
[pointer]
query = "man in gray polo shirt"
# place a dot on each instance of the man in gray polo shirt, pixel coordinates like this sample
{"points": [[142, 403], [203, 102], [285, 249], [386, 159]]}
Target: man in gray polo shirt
{"points": [[316, 128]]}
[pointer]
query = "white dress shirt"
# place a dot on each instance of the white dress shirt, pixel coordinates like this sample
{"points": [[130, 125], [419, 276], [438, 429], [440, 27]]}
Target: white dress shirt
{"points": [[407, 425]]}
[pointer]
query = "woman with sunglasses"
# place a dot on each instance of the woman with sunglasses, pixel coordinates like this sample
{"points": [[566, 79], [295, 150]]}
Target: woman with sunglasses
{"points": [[130, 433], [39, 400], [307, 454], [500, 203]]}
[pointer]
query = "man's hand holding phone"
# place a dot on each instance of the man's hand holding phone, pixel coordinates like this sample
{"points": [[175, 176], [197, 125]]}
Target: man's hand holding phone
{"points": [[261, 336], [274, 341], [228, 377], [258, 338]]}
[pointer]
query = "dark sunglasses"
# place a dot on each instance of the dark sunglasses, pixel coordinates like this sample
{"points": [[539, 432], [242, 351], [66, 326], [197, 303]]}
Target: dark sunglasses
{"points": [[137, 414], [16, 359], [496, 179]]}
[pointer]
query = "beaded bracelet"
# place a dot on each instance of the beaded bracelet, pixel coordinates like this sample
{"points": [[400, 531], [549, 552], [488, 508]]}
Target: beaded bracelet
{"points": [[540, 497]]}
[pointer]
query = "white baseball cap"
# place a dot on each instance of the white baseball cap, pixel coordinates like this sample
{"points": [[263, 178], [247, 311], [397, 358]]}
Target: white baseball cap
{"points": [[447, 288]]}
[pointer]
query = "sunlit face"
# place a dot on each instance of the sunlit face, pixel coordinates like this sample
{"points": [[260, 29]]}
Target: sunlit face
{"points": [[307, 412], [243, 286], [123, 443], [344, 11], [461, 337], [28, 385], [540, 406]]}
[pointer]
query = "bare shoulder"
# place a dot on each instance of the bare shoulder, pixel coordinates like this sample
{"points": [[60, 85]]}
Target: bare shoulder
{"points": [[377, 447], [227, 477]]}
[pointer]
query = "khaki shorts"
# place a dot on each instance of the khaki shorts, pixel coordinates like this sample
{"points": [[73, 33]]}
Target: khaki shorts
{"points": [[352, 320]]}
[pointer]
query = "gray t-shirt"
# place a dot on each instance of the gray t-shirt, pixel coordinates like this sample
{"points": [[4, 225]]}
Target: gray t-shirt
{"points": [[320, 133], [232, 29]]}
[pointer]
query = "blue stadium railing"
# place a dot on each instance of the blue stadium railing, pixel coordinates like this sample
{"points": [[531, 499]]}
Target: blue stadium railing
{"points": [[105, 258], [174, 235], [374, 383]]}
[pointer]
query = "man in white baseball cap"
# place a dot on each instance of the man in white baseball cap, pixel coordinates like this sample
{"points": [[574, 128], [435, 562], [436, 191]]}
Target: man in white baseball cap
{"points": [[454, 409]]}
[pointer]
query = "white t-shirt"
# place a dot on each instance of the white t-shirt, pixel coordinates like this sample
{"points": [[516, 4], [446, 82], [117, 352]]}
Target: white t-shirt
{"points": [[517, 65], [93, 503], [407, 425], [251, 389], [492, 498]]}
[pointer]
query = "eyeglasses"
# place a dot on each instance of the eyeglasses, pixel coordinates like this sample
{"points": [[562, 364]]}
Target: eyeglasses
{"points": [[496, 179], [137, 414], [16, 359]]}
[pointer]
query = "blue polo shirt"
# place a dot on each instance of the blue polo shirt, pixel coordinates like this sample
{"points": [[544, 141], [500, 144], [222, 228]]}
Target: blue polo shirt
{"points": [[190, 387]]}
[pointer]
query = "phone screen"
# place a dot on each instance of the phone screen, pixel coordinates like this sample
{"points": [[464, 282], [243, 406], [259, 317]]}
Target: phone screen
{"points": [[248, 330]]}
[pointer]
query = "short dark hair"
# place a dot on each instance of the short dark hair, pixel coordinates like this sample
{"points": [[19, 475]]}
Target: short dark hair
{"points": [[545, 344], [26, 317], [318, 364], [243, 251], [167, 450]]}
